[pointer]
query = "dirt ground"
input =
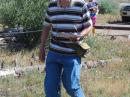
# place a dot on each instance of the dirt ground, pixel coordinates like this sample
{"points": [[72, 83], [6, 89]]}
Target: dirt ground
{"points": [[121, 35]]}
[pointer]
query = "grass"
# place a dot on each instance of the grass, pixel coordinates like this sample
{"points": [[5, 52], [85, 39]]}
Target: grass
{"points": [[109, 81], [30, 85], [21, 58], [113, 80], [123, 1], [107, 49], [108, 18]]}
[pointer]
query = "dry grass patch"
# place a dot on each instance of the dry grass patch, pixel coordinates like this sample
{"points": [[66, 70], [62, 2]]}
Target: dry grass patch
{"points": [[112, 80], [21, 58], [109, 87], [105, 18]]}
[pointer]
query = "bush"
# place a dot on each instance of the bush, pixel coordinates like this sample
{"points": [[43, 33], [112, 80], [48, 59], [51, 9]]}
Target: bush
{"points": [[108, 6], [28, 13], [7, 12]]}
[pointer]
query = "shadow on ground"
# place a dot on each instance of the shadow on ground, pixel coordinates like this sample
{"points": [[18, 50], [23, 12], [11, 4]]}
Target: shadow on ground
{"points": [[120, 23]]}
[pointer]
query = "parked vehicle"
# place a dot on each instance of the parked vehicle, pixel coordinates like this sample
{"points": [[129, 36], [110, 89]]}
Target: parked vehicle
{"points": [[125, 12]]}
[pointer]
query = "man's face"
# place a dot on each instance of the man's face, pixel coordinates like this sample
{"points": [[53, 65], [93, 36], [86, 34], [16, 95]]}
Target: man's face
{"points": [[64, 1], [90, 0]]}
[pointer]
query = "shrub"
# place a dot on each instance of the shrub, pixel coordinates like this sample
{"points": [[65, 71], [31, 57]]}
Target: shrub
{"points": [[7, 12], [108, 6], [28, 13]]}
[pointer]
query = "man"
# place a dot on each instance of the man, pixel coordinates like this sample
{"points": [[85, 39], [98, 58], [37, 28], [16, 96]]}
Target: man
{"points": [[66, 19]]}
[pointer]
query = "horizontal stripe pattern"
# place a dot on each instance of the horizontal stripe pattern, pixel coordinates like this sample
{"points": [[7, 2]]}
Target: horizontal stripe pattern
{"points": [[57, 11], [72, 20], [61, 48], [67, 27], [63, 18]]}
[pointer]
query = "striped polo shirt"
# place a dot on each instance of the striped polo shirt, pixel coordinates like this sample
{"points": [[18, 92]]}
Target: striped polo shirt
{"points": [[65, 22]]}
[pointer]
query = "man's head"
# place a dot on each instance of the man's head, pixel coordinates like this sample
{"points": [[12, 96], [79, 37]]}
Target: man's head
{"points": [[64, 3], [91, 0], [64, 0]]}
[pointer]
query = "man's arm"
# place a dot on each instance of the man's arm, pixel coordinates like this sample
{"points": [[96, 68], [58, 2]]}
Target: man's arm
{"points": [[45, 34], [44, 37], [87, 25], [87, 29]]}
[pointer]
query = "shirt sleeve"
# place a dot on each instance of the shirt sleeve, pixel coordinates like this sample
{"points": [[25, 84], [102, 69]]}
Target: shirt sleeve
{"points": [[47, 20], [86, 17]]}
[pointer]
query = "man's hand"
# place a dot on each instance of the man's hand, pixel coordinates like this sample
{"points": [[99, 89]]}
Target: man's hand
{"points": [[72, 36], [42, 54], [76, 37]]}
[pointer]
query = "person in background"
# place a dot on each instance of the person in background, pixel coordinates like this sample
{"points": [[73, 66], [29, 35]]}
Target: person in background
{"points": [[93, 8], [64, 18]]}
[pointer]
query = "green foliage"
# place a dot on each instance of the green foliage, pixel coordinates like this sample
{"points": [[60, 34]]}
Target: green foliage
{"points": [[108, 6], [91, 40], [7, 11], [28, 13]]}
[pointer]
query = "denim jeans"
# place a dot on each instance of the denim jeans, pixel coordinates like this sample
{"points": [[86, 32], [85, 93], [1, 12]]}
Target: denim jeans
{"points": [[65, 68]]}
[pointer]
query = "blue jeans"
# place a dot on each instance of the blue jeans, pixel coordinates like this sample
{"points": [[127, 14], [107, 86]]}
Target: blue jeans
{"points": [[65, 68]]}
